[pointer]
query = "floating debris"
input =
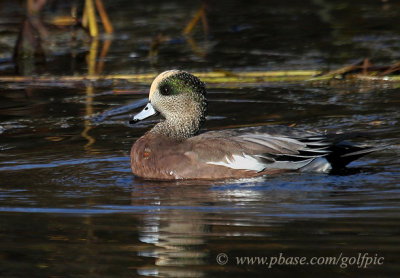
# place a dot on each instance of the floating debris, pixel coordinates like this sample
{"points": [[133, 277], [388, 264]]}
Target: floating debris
{"points": [[362, 70]]}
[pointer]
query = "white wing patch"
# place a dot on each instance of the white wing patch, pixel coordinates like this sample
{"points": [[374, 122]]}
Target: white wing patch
{"points": [[248, 162], [242, 162]]}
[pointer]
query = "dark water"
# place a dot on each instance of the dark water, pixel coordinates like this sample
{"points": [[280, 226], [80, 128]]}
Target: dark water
{"points": [[69, 206]]}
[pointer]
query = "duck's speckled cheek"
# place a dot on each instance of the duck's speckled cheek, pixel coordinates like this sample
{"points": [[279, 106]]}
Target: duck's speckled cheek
{"points": [[148, 111]]}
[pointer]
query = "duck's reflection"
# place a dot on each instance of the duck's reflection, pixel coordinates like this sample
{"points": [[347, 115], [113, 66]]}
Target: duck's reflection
{"points": [[186, 224], [177, 239], [176, 230], [178, 227]]}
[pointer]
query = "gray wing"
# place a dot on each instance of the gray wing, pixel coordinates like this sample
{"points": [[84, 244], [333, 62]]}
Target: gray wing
{"points": [[268, 147]]}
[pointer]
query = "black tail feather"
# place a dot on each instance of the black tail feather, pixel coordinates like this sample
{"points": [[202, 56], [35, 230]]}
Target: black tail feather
{"points": [[344, 153]]}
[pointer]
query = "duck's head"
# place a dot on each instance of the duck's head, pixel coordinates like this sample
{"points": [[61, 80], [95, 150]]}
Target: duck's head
{"points": [[181, 99]]}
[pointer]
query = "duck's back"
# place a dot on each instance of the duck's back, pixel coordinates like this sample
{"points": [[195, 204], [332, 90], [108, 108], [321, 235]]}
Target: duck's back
{"points": [[243, 152]]}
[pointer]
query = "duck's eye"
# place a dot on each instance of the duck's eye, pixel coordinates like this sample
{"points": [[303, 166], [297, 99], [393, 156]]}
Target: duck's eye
{"points": [[165, 90]]}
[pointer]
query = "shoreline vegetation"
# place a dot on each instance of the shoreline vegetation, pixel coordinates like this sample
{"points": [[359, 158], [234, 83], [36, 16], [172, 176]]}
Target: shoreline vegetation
{"points": [[362, 71]]}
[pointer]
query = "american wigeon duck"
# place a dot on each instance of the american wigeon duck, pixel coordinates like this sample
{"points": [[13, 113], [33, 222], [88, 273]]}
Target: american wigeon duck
{"points": [[174, 149]]}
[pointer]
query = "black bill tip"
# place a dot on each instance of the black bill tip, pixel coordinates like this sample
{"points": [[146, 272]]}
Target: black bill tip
{"points": [[133, 121]]}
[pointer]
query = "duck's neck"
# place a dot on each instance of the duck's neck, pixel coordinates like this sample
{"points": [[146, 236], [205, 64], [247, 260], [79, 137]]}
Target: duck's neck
{"points": [[178, 128]]}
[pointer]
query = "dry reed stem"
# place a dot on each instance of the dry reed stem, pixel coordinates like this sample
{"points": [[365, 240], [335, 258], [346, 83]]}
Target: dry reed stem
{"points": [[194, 20], [104, 17], [91, 14]]}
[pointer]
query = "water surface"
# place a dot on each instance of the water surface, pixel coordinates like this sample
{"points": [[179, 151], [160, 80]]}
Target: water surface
{"points": [[70, 207]]}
